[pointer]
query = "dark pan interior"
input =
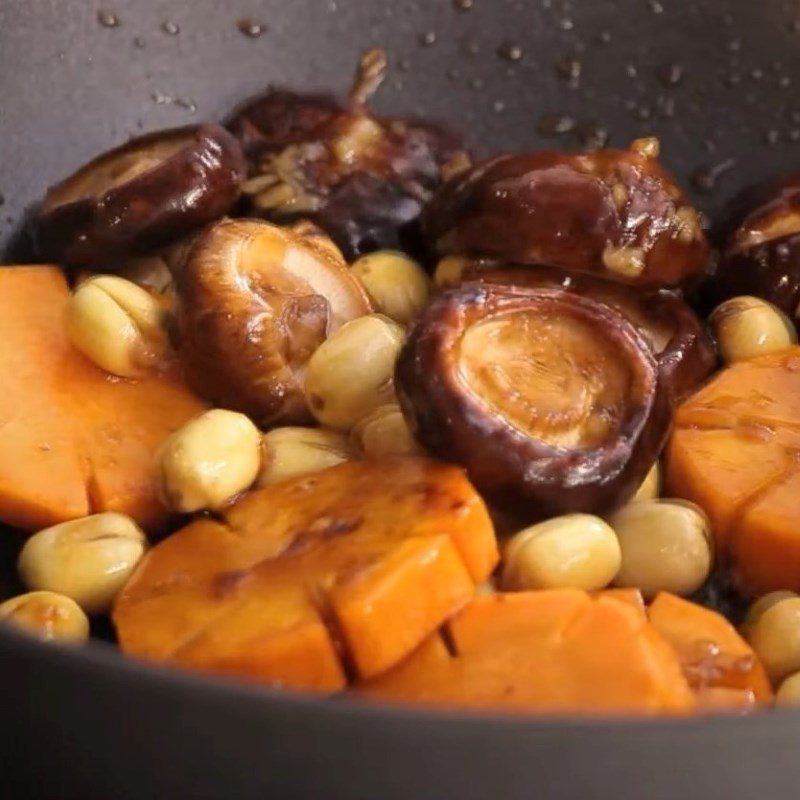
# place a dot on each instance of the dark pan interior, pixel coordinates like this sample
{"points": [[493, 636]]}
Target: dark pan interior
{"points": [[715, 80]]}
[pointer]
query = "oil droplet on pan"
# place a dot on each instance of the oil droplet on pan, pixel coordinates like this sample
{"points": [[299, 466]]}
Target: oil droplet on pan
{"points": [[569, 69], [510, 51], [705, 179], [555, 124], [108, 19], [670, 74], [161, 99], [251, 28]]}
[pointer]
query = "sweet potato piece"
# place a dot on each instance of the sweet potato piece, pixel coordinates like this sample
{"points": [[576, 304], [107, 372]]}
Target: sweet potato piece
{"points": [[631, 597], [298, 653], [556, 651], [735, 453], [763, 390], [74, 439], [766, 547], [720, 470], [303, 581], [721, 700], [123, 423], [42, 471], [712, 653]]}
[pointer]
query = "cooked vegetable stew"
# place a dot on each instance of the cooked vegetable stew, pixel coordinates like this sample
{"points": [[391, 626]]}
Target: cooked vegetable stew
{"points": [[315, 401]]}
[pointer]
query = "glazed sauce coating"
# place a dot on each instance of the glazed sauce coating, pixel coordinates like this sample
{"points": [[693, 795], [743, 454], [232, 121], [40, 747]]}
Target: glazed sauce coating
{"points": [[614, 213]]}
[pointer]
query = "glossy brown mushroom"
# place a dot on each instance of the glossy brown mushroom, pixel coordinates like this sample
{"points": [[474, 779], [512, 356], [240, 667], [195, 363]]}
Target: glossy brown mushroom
{"points": [[254, 301], [615, 213], [140, 197], [759, 239], [682, 347], [552, 401], [361, 178]]}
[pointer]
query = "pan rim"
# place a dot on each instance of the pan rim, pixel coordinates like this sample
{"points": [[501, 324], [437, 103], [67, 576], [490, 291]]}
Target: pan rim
{"points": [[97, 658]]}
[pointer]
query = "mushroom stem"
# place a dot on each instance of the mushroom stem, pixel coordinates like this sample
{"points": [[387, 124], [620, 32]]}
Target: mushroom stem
{"points": [[370, 74]]}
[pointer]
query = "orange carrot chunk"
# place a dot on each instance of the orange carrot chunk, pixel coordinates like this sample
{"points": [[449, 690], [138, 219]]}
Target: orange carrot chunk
{"points": [[713, 655], [766, 548], [73, 439], [735, 453], [297, 583], [43, 471], [558, 651], [721, 470]]}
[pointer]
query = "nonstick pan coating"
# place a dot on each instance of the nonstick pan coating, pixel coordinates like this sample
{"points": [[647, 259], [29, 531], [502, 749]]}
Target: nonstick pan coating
{"points": [[716, 81]]}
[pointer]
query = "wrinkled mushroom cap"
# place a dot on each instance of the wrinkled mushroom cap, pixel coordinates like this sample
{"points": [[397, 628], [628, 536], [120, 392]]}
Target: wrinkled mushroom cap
{"points": [[254, 301], [552, 401]]}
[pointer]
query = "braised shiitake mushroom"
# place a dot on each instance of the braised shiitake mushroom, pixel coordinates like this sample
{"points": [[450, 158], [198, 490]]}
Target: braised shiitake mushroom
{"points": [[615, 213], [759, 239], [361, 178], [253, 303], [139, 197], [552, 401], [683, 349]]}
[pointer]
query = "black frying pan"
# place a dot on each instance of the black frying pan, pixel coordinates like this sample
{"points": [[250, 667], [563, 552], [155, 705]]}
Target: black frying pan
{"points": [[715, 80]]}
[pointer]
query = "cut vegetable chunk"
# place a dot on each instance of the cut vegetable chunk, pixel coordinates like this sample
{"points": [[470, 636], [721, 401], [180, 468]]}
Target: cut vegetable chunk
{"points": [[553, 651], [74, 439], [42, 469], [720, 471], [712, 653], [763, 390], [631, 597], [346, 570], [766, 550], [735, 454]]}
